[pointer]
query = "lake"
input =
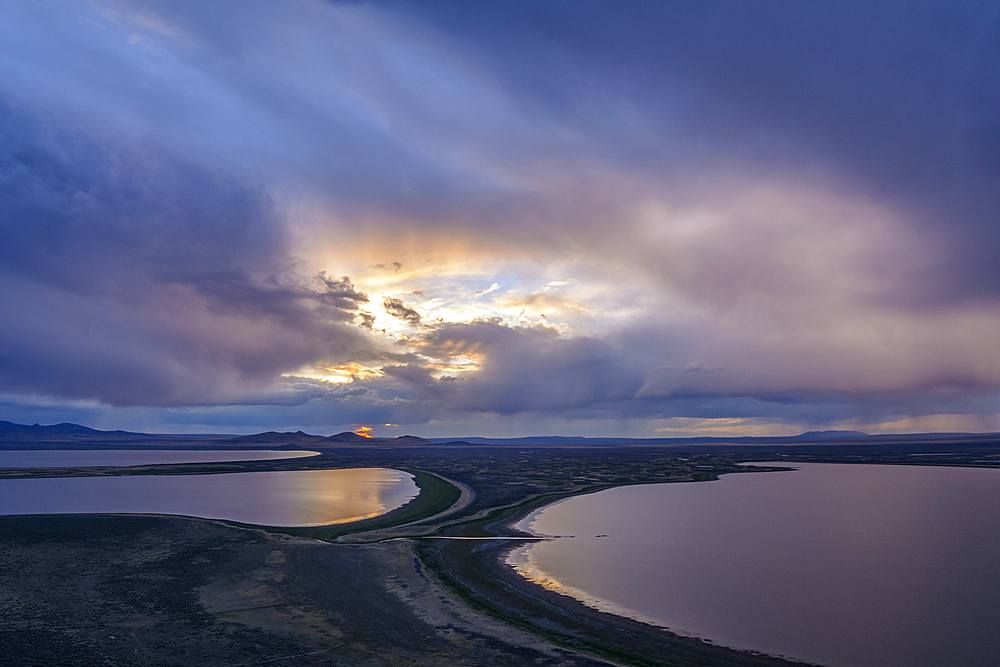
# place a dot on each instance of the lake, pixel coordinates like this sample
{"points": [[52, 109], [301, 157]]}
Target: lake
{"points": [[274, 498], [83, 458], [847, 565]]}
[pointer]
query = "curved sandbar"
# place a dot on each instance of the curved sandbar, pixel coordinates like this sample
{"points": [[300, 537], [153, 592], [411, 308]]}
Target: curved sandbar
{"points": [[476, 571]]}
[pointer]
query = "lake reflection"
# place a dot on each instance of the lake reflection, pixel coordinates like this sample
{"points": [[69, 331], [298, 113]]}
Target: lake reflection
{"points": [[275, 498], [851, 565]]}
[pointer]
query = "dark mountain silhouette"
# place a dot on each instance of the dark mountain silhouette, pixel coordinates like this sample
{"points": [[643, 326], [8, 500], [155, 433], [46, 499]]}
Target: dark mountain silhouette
{"points": [[299, 438], [11, 432], [55, 429], [74, 436], [817, 438], [349, 437], [275, 438], [836, 436], [411, 440]]}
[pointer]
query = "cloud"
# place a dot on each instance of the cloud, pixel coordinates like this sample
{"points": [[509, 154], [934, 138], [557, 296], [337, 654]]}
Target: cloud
{"points": [[134, 277], [200, 204], [400, 310], [520, 369]]}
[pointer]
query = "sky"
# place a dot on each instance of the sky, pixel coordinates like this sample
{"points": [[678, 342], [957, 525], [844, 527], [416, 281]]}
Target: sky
{"points": [[509, 218]]}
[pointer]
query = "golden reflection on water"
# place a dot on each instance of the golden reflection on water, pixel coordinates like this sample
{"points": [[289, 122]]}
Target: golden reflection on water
{"points": [[323, 497], [273, 498], [341, 496]]}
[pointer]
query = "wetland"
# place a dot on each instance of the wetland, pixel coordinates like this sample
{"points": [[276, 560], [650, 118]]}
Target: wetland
{"points": [[383, 591]]}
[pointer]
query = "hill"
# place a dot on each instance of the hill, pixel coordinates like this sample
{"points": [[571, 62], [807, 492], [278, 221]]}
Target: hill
{"points": [[275, 438], [351, 438], [13, 434], [74, 436]]}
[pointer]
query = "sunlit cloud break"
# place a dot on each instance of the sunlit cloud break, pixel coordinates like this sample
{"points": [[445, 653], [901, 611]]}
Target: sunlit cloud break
{"points": [[679, 219]]}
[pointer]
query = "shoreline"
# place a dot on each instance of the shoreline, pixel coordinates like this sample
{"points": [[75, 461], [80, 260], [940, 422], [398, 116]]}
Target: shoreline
{"points": [[473, 573], [498, 591], [602, 611], [478, 572], [593, 602], [840, 638]]}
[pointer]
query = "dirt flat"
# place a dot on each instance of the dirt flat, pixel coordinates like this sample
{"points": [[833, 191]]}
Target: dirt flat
{"points": [[128, 590]]}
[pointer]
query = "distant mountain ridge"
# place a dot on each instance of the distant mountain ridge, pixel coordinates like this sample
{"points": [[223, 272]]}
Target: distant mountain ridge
{"points": [[62, 429], [812, 436], [12, 434], [817, 438], [67, 435], [59, 431], [345, 438], [271, 437]]}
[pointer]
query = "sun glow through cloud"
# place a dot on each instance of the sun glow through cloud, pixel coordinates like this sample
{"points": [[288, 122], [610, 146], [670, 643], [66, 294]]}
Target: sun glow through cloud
{"points": [[382, 213]]}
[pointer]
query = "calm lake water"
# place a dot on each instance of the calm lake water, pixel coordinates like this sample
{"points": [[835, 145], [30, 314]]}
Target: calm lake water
{"points": [[81, 458], [848, 565], [277, 498]]}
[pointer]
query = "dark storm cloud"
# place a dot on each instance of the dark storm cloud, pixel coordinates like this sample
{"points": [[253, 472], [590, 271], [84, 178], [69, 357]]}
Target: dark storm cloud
{"points": [[901, 100], [330, 98], [400, 310], [793, 198], [134, 277], [531, 369], [536, 371]]}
